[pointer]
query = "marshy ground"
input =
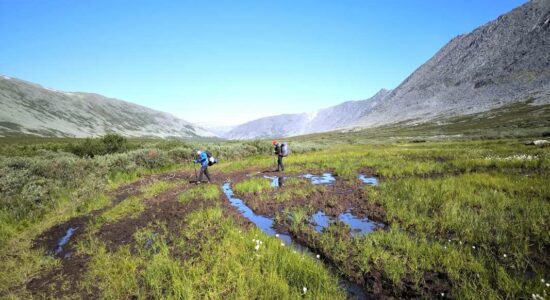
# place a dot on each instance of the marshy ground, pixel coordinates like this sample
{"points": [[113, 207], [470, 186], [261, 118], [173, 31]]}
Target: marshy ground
{"points": [[403, 220]]}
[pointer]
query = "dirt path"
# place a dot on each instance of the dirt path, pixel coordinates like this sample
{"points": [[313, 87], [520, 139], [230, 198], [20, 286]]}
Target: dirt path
{"points": [[161, 208]]}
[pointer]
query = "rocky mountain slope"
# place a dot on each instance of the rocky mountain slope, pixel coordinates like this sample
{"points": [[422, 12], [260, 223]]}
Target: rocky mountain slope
{"points": [[502, 62], [339, 116], [30, 109]]}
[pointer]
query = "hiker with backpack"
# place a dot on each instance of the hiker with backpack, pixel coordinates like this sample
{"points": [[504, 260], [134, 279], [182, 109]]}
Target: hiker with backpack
{"points": [[281, 150], [206, 159]]}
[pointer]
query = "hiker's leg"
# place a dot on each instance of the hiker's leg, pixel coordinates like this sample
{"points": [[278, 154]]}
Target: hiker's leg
{"points": [[280, 166], [200, 173], [207, 174]]}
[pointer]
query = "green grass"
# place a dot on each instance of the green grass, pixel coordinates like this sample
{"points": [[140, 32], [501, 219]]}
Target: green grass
{"points": [[295, 188], [117, 179], [159, 187], [260, 189], [128, 208], [253, 185], [200, 192], [488, 194], [20, 260], [226, 266], [490, 199]]}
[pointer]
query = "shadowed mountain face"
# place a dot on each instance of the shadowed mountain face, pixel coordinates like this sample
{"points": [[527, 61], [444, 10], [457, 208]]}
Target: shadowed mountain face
{"points": [[31, 109], [338, 116], [502, 62]]}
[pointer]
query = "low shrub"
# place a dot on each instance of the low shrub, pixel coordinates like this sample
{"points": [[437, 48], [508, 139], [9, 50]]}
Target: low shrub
{"points": [[149, 158], [91, 147]]}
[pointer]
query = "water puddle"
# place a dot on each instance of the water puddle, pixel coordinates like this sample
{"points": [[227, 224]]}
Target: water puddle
{"points": [[369, 180], [276, 181], [325, 179], [320, 221], [358, 226], [63, 241], [266, 225]]}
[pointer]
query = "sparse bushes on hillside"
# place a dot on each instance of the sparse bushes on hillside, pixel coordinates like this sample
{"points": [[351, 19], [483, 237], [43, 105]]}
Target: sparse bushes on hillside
{"points": [[149, 158], [108, 144], [29, 186], [32, 186], [114, 143], [181, 154]]}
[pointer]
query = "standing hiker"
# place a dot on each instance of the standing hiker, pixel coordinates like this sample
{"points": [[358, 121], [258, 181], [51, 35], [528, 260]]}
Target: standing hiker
{"points": [[281, 150], [203, 159]]}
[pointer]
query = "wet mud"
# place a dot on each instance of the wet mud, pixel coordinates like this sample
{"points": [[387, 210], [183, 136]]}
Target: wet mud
{"points": [[376, 283], [333, 197], [62, 282]]}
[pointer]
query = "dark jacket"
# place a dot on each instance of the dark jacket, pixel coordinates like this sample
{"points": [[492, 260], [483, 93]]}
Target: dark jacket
{"points": [[278, 149]]}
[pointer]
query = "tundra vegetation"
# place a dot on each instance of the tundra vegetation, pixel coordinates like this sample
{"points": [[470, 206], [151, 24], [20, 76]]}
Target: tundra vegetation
{"points": [[464, 218]]}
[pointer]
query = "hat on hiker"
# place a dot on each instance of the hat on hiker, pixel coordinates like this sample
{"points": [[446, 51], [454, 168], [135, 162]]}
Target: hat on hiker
{"points": [[274, 142]]}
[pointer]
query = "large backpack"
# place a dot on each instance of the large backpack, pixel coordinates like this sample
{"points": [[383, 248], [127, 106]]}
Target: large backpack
{"points": [[211, 159], [285, 150]]}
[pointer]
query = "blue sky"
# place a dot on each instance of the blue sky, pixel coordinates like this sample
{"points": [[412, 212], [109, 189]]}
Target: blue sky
{"points": [[226, 62]]}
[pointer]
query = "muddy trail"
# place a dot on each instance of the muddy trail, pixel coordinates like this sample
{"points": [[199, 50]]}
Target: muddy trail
{"points": [[73, 267], [50, 238], [162, 208], [332, 200]]}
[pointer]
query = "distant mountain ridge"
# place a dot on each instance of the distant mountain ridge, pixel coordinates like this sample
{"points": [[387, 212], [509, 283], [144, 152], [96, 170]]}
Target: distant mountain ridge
{"points": [[339, 116], [502, 62], [30, 109]]}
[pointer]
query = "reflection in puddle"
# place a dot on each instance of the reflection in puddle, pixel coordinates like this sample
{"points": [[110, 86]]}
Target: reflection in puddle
{"points": [[358, 226], [320, 221], [276, 181], [326, 178], [370, 180], [63, 241]]}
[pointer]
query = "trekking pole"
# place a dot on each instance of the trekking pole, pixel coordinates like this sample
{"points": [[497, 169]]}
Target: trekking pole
{"points": [[196, 176]]}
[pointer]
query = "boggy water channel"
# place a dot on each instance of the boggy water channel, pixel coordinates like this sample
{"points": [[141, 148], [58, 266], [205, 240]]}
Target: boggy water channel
{"points": [[262, 222], [359, 226], [320, 221], [63, 241]]}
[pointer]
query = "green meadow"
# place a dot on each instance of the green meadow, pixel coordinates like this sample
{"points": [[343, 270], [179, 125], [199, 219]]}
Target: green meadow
{"points": [[463, 219]]}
